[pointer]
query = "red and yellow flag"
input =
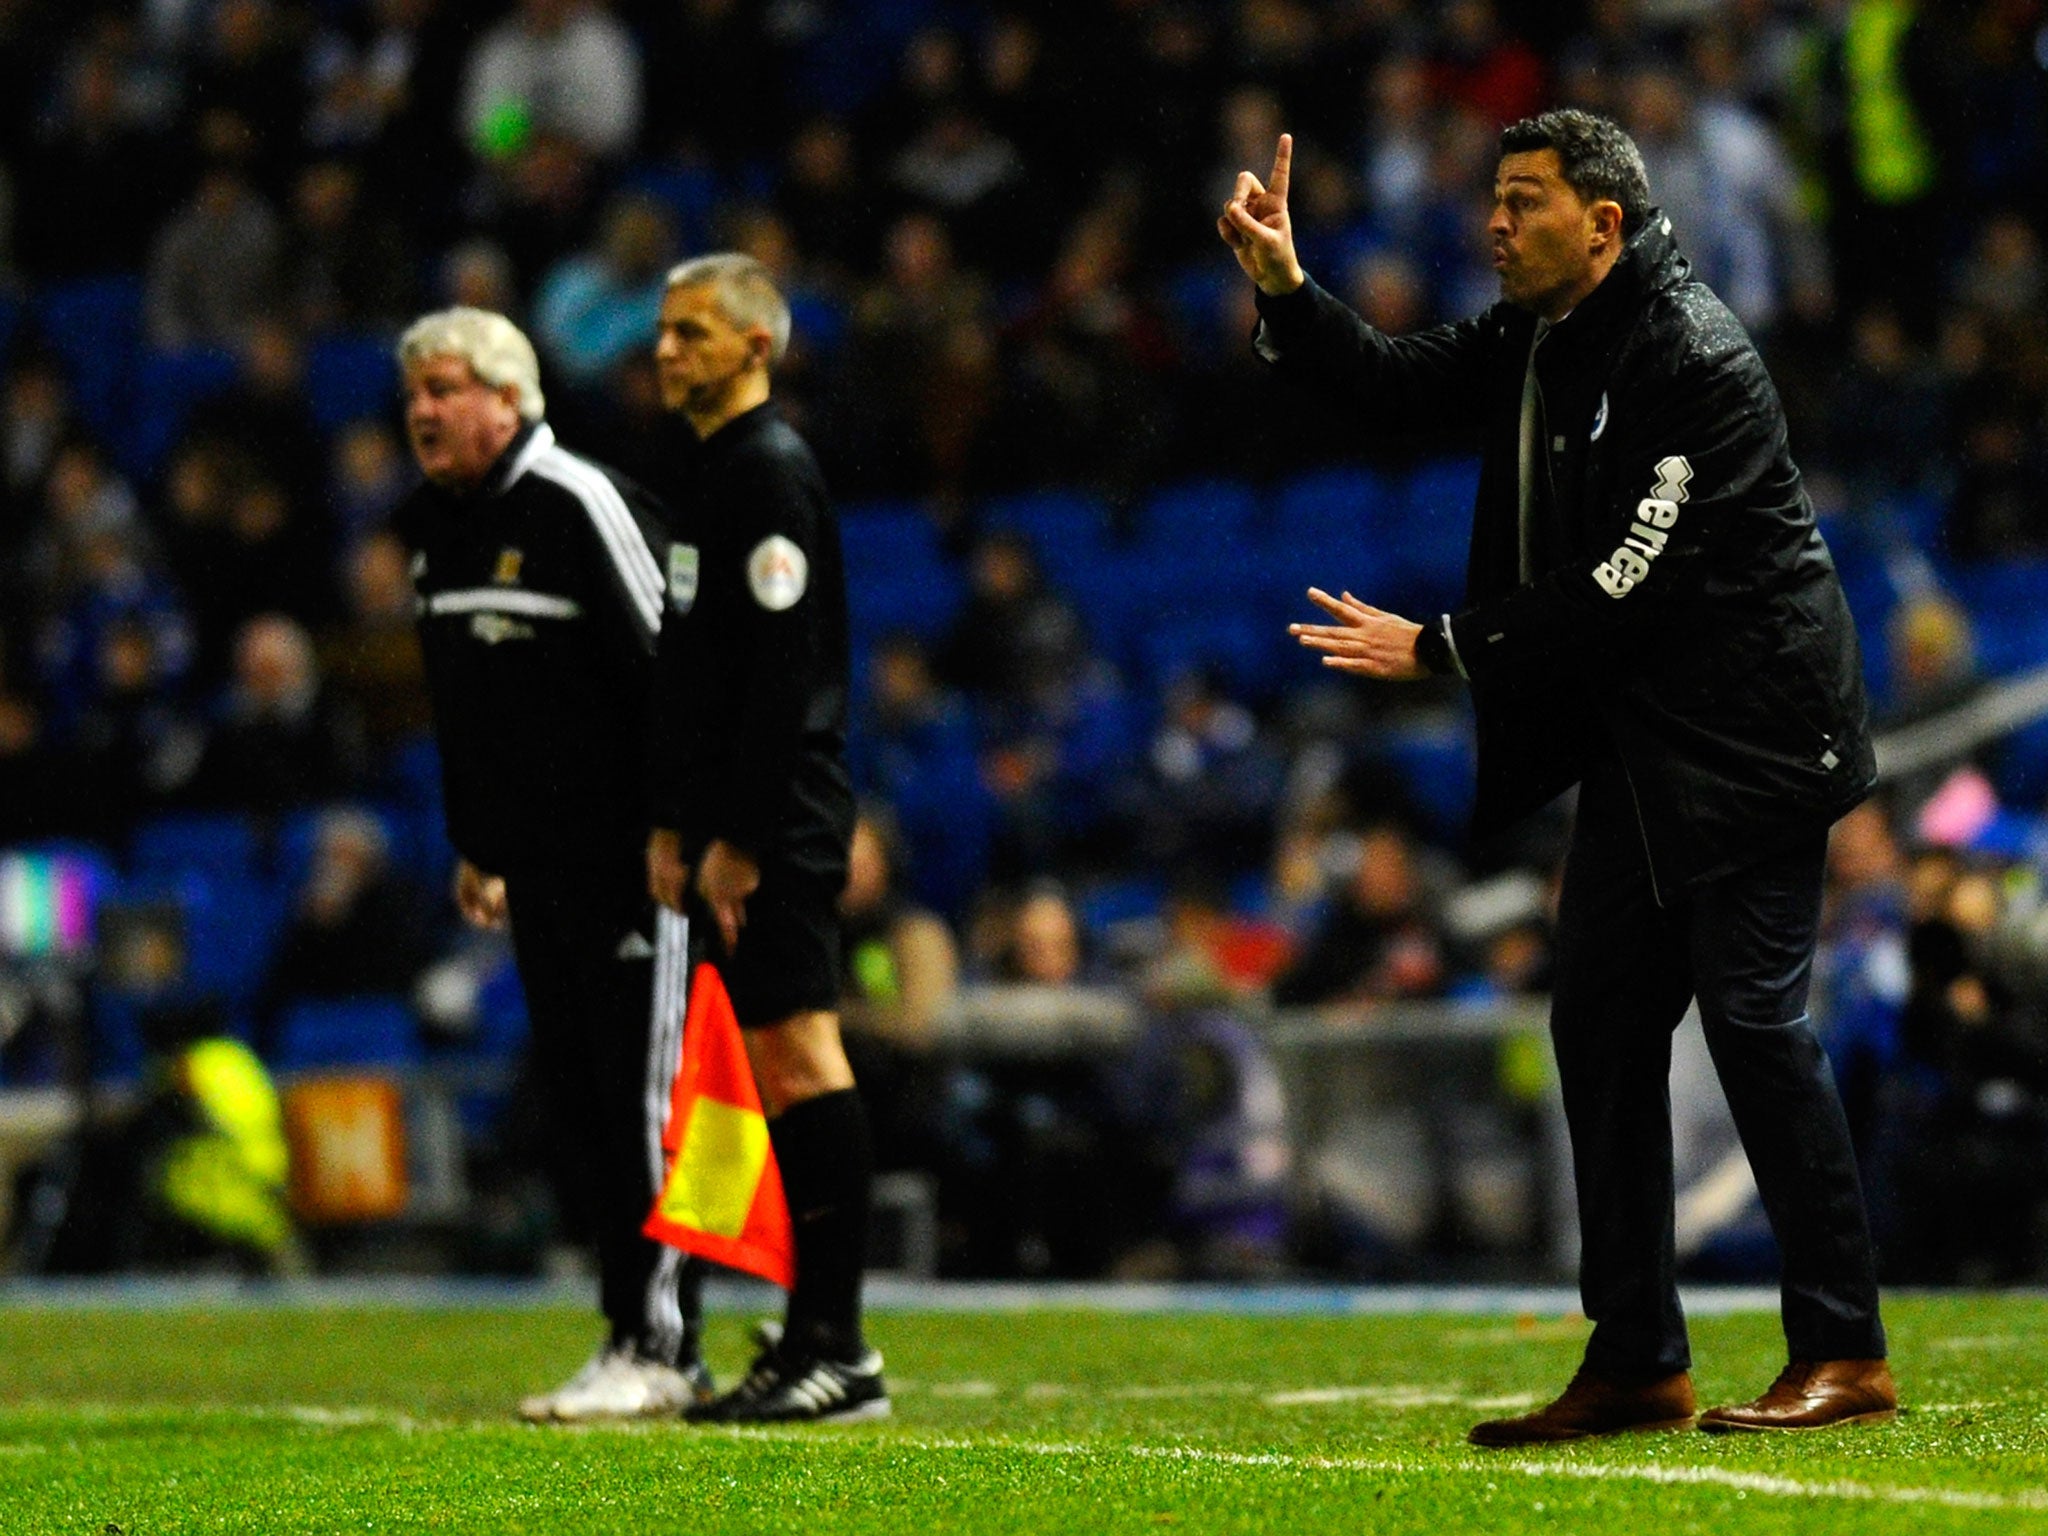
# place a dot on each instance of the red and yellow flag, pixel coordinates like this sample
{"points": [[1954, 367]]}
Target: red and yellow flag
{"points": [[723, 1197]]}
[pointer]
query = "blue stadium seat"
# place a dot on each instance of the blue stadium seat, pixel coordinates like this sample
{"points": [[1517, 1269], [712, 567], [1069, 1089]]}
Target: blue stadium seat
{"points": [[888, 537], [2020, 766], [1333, 511], [368, 1031], [1435, 532], [923, 602], [412, 774], [856, 52], [232, 930], [501, 1018], [1104, 906], [1436, 766], [689, 190], [1067, 530], [231, 925], [213, 843], [1198, 515], [1251, 894], [2008, 603], [947, 823], [1196, 297], [817, 322], [1873, 596], [1255, 656], [349, 378], [168, 386], [419, 844], [114, 1049], [94, 326], [409, 800]]}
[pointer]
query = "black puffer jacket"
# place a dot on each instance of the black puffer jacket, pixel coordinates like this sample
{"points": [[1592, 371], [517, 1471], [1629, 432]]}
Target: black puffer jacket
{"points": [[1684, 613]]}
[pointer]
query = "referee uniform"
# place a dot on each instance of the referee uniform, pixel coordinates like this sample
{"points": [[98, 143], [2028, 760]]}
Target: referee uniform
{"points": [[749, 749], [539, 606], [749, 726]]}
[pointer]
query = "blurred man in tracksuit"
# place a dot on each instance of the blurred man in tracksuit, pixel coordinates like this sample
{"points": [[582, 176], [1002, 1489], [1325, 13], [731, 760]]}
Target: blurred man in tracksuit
{"points": [[539, 578]]}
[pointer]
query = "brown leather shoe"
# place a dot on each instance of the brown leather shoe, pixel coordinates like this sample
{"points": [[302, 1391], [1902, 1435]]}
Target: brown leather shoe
{"points": [[1595, 1405], [1814, 1394]]}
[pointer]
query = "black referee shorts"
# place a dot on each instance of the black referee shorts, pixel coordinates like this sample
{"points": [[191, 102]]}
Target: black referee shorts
{"points": [[787, 960]]}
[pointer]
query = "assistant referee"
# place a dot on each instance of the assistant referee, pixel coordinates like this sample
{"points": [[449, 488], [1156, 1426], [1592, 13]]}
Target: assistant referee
{"points": [[752, 805]]}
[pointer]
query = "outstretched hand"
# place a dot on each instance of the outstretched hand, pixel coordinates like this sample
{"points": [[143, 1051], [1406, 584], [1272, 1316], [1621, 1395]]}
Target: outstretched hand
{"points": [[1257, 229], [1365, 641]]}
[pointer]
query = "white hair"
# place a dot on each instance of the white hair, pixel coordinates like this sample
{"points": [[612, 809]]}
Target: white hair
{"points": [[496, 350], [745, 292]]}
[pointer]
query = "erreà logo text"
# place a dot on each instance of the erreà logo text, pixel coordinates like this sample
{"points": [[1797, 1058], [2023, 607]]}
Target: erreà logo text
{"points": [[1656, 513]]}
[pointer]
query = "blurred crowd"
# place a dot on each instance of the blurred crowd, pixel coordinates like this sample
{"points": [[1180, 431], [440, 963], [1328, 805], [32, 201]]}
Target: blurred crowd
{"points": [[1090, 758]]}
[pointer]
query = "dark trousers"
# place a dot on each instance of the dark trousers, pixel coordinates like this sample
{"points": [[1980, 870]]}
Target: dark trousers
{"points": [[1627, 969], [604, 992]]}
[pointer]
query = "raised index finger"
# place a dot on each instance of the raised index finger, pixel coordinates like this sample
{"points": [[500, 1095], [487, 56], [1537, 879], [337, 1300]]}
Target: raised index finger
{"points": [[1283, 163], [1335, 607]]}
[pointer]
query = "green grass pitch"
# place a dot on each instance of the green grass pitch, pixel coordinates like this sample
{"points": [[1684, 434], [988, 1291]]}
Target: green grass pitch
{"points": [[370, 1419]]}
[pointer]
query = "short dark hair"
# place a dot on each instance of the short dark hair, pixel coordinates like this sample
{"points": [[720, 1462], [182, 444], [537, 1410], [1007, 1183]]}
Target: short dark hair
{"points": [[1595, 156]]}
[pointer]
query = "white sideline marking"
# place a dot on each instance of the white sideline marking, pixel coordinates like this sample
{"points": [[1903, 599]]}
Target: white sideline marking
{"points": [[1981, 1341], [1720, 1477], [1393, 1397], [334, 1418]]}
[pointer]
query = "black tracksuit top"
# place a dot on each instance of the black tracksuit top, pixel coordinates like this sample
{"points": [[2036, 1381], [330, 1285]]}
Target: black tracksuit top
{"points": [[539, 602], [1684, 614], [748, 735]]}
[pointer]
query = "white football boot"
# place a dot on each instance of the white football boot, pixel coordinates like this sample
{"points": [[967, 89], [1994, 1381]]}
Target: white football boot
{"points": [[618, 1383]]}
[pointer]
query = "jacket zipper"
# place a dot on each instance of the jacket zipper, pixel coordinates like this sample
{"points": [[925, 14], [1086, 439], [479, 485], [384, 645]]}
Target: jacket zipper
{"points": [[1543, 454]]}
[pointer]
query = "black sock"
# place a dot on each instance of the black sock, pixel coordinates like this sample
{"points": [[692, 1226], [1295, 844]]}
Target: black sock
{"points": [[827, 1164]]}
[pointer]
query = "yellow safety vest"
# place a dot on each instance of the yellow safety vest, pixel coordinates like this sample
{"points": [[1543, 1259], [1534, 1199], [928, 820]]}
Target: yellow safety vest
{"points": [[229, 1179], [1893, 159]]}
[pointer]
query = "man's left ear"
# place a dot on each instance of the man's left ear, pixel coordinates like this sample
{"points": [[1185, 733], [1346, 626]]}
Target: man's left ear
{"points": [[1607, 220]]}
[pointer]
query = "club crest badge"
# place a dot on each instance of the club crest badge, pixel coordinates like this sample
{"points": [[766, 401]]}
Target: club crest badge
{"points": [[510, 560], [777, 573], [496, 628], [683, 562]]}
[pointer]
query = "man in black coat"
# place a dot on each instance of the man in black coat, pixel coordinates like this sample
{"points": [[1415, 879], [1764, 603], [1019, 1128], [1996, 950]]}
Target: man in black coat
{"points": [[1651, 615]]}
